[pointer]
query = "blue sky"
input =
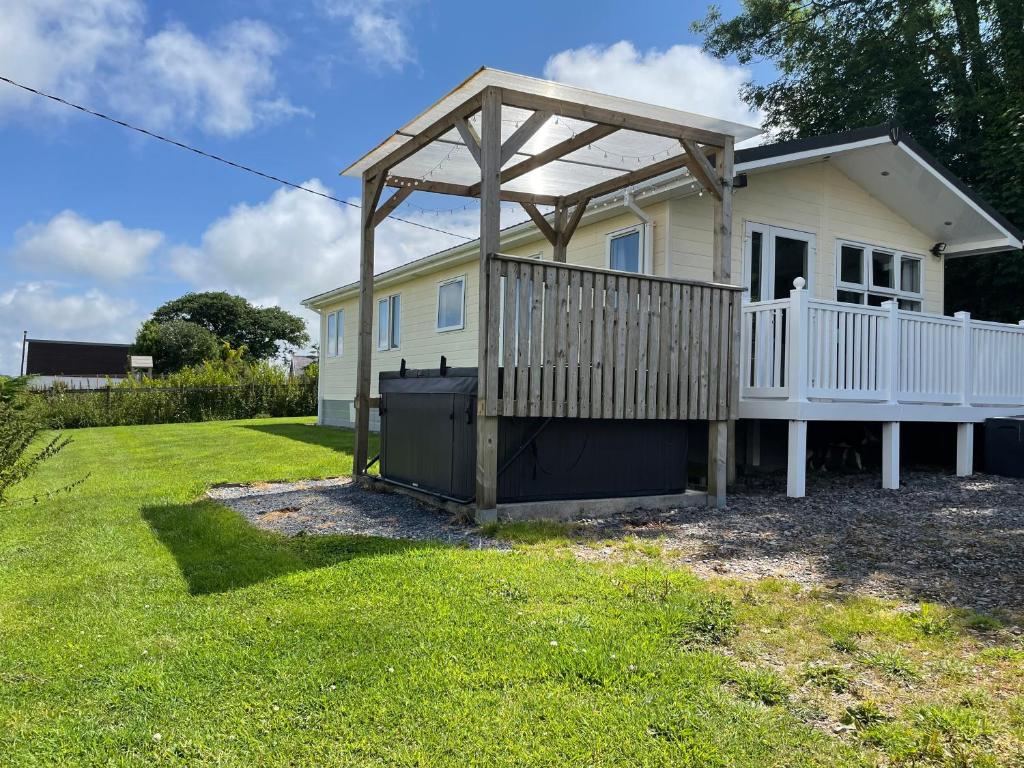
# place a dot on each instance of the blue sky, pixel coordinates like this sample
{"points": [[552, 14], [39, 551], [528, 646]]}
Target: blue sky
{"points": [[99, 225]]}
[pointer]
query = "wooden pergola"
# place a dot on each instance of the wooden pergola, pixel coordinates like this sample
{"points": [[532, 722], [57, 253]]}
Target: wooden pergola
{"points": [[502, 137]]}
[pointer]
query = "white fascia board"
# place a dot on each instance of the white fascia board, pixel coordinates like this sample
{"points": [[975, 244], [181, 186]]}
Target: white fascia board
{"points": [[810, 154]]}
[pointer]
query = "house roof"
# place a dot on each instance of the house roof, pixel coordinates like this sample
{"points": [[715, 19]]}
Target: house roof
{"points": [[890, 164], [917, 186], [447, 159], [75, 358]]}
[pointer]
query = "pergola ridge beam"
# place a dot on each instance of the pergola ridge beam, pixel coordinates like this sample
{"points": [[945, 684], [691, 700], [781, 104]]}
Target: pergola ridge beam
{"points": [[524, 133], [620, 120], [702, 169], [470, 137]]}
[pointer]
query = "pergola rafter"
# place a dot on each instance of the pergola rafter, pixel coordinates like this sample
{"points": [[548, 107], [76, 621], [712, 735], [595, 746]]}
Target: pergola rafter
{"points": [[531, 165]]}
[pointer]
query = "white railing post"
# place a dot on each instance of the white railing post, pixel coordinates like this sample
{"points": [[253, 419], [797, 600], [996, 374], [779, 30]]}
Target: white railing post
{"points": [[967, 357], [893, 350], [798, 338]]}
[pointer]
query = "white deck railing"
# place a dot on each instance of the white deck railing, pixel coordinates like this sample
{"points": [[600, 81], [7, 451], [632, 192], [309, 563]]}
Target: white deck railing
{"points": [[807, 349]]}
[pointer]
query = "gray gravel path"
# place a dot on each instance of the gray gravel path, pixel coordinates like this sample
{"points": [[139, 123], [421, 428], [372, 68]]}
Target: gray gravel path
{"points": [[338, 506], [954, 540]]}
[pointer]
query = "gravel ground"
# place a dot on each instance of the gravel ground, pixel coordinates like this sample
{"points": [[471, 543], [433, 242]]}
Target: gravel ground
{"points": [[954, 540], [338, 506]]}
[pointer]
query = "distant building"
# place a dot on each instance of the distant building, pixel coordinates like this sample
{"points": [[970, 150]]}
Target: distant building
{"points": [[300, 363], [78, 364]]}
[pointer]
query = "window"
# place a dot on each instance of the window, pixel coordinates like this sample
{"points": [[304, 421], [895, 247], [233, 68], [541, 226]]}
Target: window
{"points": [[335, 333], [773, 258], [625, 249], [451, 304], [870, 275], [389, 316]]}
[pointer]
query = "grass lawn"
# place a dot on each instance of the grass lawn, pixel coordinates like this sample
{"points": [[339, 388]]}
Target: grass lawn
{"points": [[140, 624]]}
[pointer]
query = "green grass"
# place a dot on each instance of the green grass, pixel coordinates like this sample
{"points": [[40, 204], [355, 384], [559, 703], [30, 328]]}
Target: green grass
{"points": [[141, 625]]}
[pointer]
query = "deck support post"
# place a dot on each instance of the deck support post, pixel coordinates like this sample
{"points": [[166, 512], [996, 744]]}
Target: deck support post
{"points": [[490, 241], [372, 187], [718, 449], [730, 461], [964, 449], [796, 466], [891, 455]]}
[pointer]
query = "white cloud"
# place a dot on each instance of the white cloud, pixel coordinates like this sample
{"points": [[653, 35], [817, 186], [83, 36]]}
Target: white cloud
{"points": [[71, 243], [682, 77], [378, 28], [98, 51], [45, 312], [295, 245]]}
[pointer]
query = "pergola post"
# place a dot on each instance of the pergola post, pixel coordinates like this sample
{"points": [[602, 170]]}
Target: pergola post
{"points": [[490, 242], [560, 243], [372, 186], [721, 439]]}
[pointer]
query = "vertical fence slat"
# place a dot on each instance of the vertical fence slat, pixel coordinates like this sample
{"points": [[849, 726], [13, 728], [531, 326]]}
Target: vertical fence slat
{"points": [[622, 297], [597, 349], [573, 383], [561, 336], [523, 345], [672, 390], [610, 359], [508, 336], [547, 404], [536, 339]]}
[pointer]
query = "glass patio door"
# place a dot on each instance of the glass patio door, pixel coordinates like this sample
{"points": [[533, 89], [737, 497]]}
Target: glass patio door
{"points": [[773, 258]]}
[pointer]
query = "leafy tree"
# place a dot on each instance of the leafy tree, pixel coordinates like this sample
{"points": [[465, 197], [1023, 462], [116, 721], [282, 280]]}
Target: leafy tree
{"points": [[234, 320], [951, 72], [175, 344]]}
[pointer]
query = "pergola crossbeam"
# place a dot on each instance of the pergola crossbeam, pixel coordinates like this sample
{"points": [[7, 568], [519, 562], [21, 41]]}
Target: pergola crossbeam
{"points": [[523, 134], [462, 190], [627, 179]]}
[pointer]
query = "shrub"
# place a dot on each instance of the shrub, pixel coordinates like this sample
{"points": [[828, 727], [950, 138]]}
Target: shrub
{"points": [[18, 432]]}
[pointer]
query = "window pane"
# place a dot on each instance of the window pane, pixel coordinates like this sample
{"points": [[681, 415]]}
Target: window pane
{"points": [[382, 324], [850, 297], [339, 343], [874, 300], [910, 275], [756, 244], [332, 334], [396, 320], [881, 270], [851, 265], [625, 252], [790, 263], [913, 306], [449, 305]]}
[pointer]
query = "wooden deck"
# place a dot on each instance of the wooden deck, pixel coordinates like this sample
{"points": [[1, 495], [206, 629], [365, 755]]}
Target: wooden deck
{"points": [[578, 342]]}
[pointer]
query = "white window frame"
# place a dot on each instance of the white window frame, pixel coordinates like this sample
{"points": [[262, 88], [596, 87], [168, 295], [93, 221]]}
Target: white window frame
{"points": [[339, 333], [641, 260], [768, 234], [391, 342], [461, 279], [867, 285]]}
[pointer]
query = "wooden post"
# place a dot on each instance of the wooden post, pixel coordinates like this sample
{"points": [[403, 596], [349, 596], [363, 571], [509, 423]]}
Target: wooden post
{"points": [[561, 243], [964, 450], [372, 186], [723, 215], [490, 241], [718, 449], [891, 455], [796, 467]]}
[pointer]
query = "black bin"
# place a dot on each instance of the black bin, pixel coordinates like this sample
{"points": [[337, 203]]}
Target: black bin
{"points": [[1004, 446], [428, 431]]}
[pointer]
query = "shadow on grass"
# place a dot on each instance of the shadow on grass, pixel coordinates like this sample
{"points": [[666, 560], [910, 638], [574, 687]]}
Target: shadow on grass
{"points": [[217, 550], [338, 438]]}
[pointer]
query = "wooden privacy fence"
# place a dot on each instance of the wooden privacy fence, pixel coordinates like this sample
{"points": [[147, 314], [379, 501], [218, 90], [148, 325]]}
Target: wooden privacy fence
{"points": [[570, 341]]}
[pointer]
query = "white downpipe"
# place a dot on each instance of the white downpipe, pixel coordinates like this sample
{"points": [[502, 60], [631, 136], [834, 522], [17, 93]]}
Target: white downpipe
{"points": [[648, 223]]}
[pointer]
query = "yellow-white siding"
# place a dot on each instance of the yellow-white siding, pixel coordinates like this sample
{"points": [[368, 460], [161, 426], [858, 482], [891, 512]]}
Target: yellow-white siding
{"points": [[815, 198]]}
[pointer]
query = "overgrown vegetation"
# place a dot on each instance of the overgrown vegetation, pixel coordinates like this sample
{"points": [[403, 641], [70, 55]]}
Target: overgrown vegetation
{"points": [[21, 453], [231, 387]]}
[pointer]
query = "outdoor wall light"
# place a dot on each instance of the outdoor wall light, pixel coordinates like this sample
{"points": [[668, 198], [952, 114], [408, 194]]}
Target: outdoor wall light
{"points": [[938, 249]]}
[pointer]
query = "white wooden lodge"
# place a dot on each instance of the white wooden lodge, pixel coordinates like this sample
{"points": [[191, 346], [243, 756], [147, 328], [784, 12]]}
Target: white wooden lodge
{"points": [[794, 282]]}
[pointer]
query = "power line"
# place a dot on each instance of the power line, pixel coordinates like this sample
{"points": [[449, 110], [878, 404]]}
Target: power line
{"points": [[211, 156]]}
